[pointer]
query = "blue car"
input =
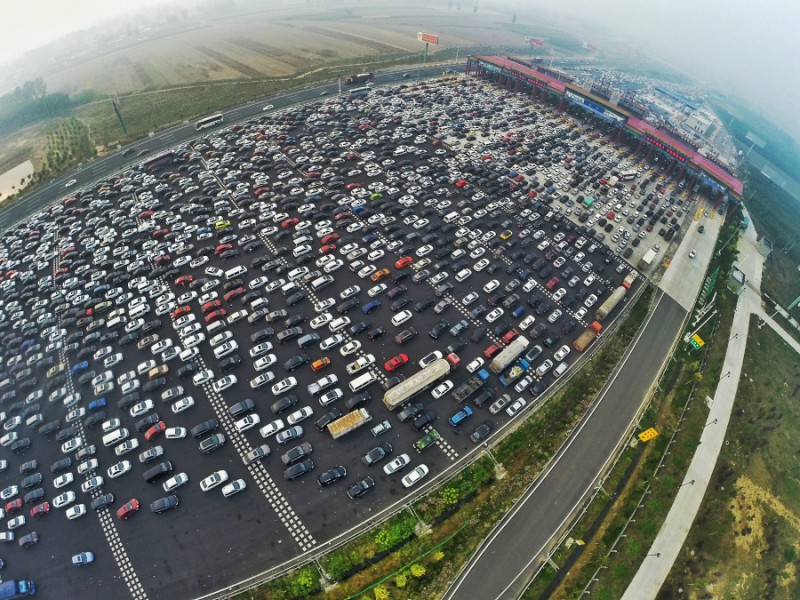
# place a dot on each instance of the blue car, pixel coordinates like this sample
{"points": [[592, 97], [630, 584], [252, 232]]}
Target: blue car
{"points": [[370, 237], [460, 416], [79, 367], [370, 306], [95, 405]]}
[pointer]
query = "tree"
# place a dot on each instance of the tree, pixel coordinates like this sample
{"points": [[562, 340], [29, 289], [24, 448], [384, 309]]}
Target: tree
{"points": [[417, 570], [401, 581], [381, 593], [437, 556]]}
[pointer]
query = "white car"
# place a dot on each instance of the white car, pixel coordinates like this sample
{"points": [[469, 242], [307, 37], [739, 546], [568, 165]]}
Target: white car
{"points": [[92, 484], [247, 422], [110, 425], [140, 408], [234, 487], [258, 282], [320, 320], [223, 384], [396, 464], [426, 249], [350, 347], [429, 358], [561, 353], [415, 475], [401, 317], [480, 265], [63, 479], [203, 377], [516, 406], [331, 342], [225, 349], [300, 415], [491, 286], [213, 480], [183, 404], [118, 469], [76, 511], [494, 315], [349, 292], [175, 433], [192, 340], [283, 386], [64, 499], [324, 305], [271, 428], [145, 366], [338, 323], [377, 289], [441, 389], [126, 446], [174, 482], [262, 380], [475, 365], [262, 348]]}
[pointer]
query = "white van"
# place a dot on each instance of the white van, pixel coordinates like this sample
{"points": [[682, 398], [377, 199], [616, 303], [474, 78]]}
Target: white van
{"points": [[362, 381], [139, 311], [216, 327], [321, 282], [463, 274], [289, 288], [235, 272], [451, 216], [115, 436]]}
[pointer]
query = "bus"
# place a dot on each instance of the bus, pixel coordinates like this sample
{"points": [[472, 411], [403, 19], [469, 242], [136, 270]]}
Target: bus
{"points": [[628, 175], [360, 92], [157, 161], [209, 121]]}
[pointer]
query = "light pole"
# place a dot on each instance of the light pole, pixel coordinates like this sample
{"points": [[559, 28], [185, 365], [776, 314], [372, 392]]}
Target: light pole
{"points": [[686, 483], [656, 554], [714, 422]]}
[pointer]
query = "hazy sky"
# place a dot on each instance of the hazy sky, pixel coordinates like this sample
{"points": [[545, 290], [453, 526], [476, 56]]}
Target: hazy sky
{"points": [[739, 46]]}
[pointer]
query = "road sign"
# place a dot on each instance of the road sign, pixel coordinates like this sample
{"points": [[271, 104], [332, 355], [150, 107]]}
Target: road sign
{"points": [[428, 38], [648, 434]]}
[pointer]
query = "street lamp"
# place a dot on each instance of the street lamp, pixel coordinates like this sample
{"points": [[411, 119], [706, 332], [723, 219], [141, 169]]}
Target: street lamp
{"points": [[657, 554], [686, 483]]}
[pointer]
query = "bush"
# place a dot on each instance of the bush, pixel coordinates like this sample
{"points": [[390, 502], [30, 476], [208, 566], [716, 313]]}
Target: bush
{"points": [[417, 570], [400, 581]]}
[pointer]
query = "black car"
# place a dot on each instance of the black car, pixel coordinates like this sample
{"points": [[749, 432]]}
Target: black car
{"points": [[20, 446], [347, 305], [61, 465], [205, 427], [95, 419], [328, 418], [360, 488], [359, 327], [297, 453], [332, 475], [439, 329], [262, 335], [146, 422], [211, 443], [481, 432], [28, 467], [231, 362], [283, 404], [376, 332], [31, 481], [405, 336], [424, 419], [241, 408], [34, 495], [164, 504], [357, 400], [410, 411], [296, 362], [102, 501], [377, 454], [296, 470]]}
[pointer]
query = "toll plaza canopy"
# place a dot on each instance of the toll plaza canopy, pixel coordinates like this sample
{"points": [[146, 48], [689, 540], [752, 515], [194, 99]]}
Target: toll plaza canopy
{"points": [[622, 118]]}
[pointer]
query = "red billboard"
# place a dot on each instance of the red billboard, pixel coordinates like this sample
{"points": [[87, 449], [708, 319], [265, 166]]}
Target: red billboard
{"points": [[428, 38]]}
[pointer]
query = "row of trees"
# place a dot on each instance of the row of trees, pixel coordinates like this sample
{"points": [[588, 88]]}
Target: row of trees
{"points": [[31, 102]]}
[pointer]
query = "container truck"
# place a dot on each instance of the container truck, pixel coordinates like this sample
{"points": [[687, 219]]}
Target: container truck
{"points": [[647, 259], [470, 386], [359, 78], [349, 422], [417, 383], [22, 588], [615, 298], [509, 354], [587, 337], [515, 372]]}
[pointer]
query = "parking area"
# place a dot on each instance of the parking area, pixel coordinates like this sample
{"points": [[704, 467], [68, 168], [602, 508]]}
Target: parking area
{"points": [[177, 339]]}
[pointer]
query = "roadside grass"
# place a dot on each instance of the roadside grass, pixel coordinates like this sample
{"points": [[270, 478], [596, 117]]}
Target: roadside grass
{"points": [[620, 525], [388, 563], [744, 542]]}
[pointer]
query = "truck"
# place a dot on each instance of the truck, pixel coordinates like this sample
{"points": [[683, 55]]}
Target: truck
{"points": [[509, 354], [587, 337], [22, 588], [647, 259], [417, 383], [616, 296], [428, 440], [515, 372], [359, 78], [349, 422], [470, 386], [612, 182]]}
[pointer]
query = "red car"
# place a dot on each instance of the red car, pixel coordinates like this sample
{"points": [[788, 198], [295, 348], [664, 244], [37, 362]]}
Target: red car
{"points": [[145, 214], [40, 510], [159, 233], [396, 362], [403, 262], [493, 349], [290, 222], [327, 248], [222, 247], [342, 215], [184, 280], [155, 431], [235, 293], [213, 305], [215, 316], [352, 186], [461, 183], [330, 238], [510, 336], [162, 258], [14, 506], [128, 509], [181, 310]]}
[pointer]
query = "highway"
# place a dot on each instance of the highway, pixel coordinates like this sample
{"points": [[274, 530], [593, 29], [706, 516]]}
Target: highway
{"points": [[514, 550], [177, 135]]}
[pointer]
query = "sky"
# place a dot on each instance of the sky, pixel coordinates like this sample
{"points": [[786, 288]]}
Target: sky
{"points": [[735, 46]]}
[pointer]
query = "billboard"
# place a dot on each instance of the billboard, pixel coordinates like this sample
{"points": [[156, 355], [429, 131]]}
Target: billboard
{"points": [[598, 110], [428, 38]]}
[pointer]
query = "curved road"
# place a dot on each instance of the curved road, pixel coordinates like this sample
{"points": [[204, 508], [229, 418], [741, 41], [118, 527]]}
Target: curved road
{"points": [[512, 553], [176, 135]]}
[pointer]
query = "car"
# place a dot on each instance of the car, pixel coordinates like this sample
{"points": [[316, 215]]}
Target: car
{"points": [[283, 386], [76, 511], [350, 347], [396, 362], [64, 499], [224, 383], [360, 488], [117, 469], [215, 479], [247, 422], [233, 488], [30, 539], [413, 477], [164, 504], [126, 446], [175, 482], [127, 510], [296, 470], [377, 454], [82, 559], [481, 432], [300, 415], [475, 364], [692, 253], [396, 464], [515, 407], [256, 453]]}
